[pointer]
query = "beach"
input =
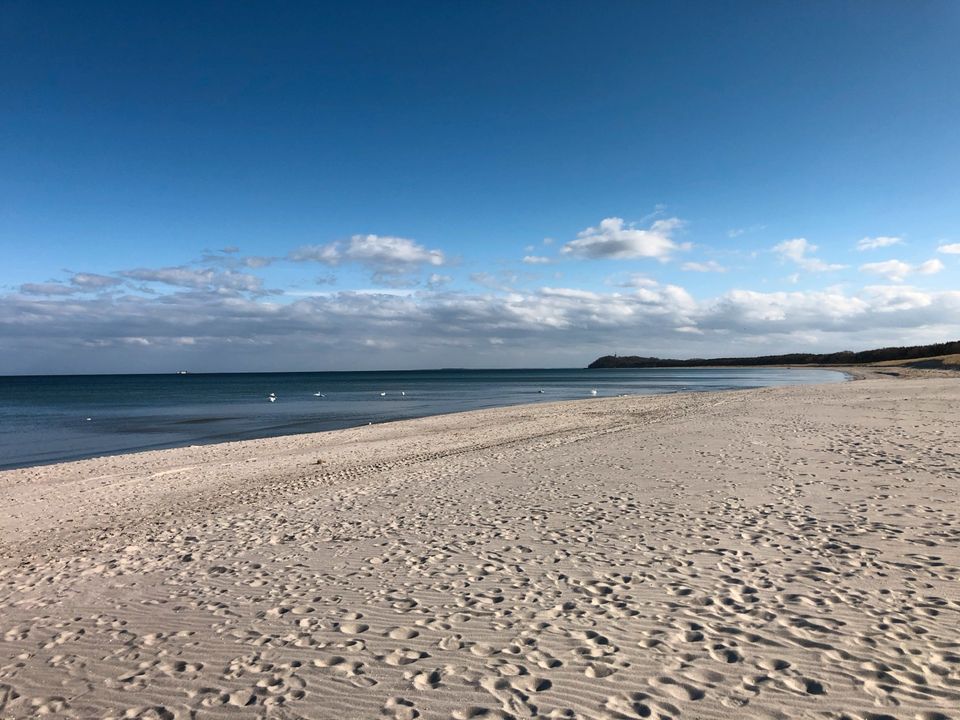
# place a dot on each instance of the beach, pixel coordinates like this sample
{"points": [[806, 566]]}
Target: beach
{"points": [[787, 552]]}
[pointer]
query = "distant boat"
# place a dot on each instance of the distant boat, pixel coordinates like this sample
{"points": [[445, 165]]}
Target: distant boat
{"points": [[272, 397], [403, 393], [593, 392], [540, 391], [318, 394], [182, 372]]}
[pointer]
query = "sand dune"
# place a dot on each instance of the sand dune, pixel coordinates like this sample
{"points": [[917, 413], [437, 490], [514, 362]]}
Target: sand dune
{"points": [[777, 553]]}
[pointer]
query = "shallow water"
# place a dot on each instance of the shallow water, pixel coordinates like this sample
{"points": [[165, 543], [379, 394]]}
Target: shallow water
{"points": [[46, 419]]}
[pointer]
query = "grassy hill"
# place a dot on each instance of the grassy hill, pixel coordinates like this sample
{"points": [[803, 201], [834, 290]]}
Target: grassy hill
{"points": [[939, 362], [935, 356]]}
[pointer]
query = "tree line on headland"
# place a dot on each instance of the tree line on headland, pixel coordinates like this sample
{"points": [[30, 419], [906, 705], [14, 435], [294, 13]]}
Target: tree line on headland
{"points": [[845, 357]]}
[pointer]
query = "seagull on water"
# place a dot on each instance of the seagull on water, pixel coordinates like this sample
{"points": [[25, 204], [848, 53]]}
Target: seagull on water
{"points": [[383, 394], [271, 397]]}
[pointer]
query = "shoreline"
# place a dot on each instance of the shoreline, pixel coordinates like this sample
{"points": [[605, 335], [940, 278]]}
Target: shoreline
{"points": [[765, 553], [254, 435], [170, 461], [483, 429]]}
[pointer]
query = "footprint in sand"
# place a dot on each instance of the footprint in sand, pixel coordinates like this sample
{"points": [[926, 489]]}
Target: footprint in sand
{"points": [[398, 708], [353, 628], [402, 633], [403, 656], [426, 679]]}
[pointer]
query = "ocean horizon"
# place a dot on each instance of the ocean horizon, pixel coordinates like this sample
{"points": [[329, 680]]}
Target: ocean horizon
{"points": [[56, 418]]}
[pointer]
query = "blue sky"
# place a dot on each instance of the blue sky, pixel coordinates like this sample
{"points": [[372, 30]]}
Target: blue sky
{"points": [[252, 186]]}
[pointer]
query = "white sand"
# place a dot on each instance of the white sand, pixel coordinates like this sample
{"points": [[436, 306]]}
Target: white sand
{"points": [[789, 552]]}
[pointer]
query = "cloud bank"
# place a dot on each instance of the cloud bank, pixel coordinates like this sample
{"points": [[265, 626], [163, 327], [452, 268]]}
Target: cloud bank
{"points": [[218, 314], [208, 329]]}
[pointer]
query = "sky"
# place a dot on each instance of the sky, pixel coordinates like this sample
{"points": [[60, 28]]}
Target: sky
{"points": [[222, 186]]}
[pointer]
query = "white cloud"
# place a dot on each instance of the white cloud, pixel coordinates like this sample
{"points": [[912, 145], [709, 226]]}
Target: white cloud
{"points": [[708, 266], [778, 310], [198, 279], [228, 258], [880, 241], [737, 232], [930, 267], [950, 249], [799, 251], [394, 278], [93, 281], [897, 298], [181, 276], [436, 281], [488, 280], [386, 251], [256, 261], [382, 253], [47, 288], [328, 254], [615, 239], [634, 280], [536, 260], [897, 270]]}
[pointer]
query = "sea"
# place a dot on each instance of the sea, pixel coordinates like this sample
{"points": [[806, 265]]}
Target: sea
{"points": [[49, 419]]}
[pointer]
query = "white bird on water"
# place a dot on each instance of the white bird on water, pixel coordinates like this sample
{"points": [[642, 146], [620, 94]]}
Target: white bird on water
{"points": [[383, 394], [272, 397], [318, 394], [403, 393]]}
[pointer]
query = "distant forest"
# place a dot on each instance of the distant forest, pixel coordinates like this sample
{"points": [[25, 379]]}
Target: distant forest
{"points": [[846, 357]]}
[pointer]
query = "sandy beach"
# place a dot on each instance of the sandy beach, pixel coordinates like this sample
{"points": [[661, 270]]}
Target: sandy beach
{"points": [[777, 553]]}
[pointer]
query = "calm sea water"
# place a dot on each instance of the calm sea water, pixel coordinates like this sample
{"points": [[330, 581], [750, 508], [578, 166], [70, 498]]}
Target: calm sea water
{"points": [[47, 419]]}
